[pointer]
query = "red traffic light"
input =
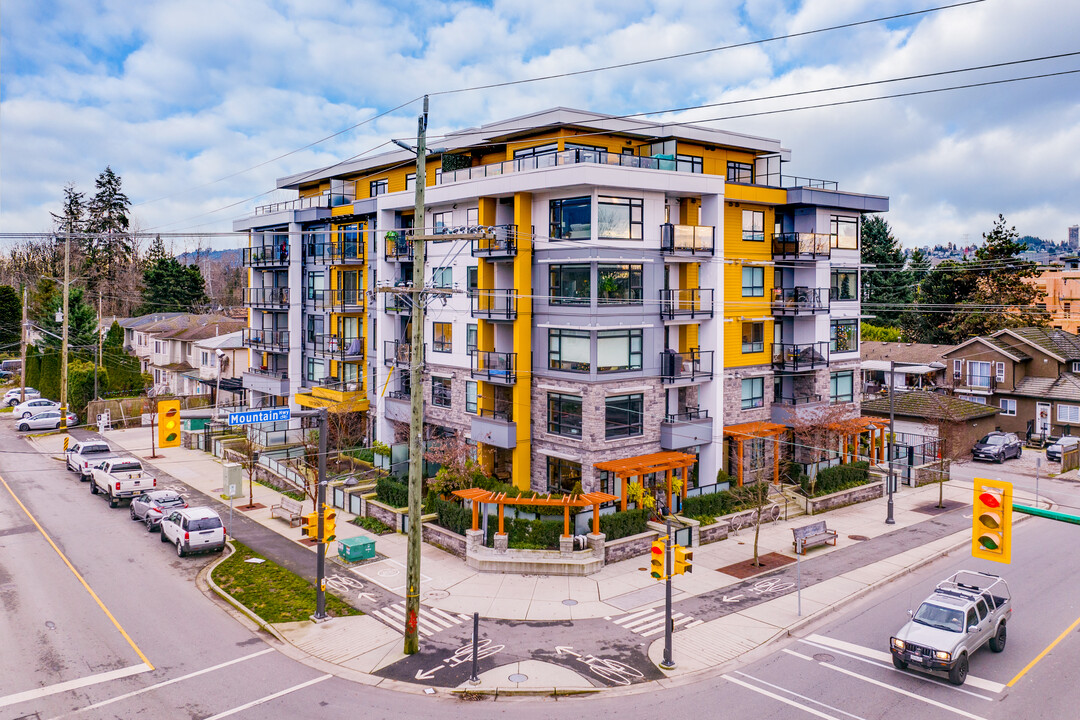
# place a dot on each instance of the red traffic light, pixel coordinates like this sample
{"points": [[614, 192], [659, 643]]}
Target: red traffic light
{"points": [[657, 550], [990, 499]]}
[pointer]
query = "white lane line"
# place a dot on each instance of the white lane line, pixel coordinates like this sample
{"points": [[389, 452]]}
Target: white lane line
{"points": [[887, 686], [268, 698], [919, 676], [781, 698], [884, 657], [73, 684], [118, 698], [801, 697]]}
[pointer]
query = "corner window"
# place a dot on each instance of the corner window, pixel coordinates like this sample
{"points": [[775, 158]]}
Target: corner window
{"points": [[618, 284], [470, 396], [753, 281], [1007, 405], [569, 284], [842, 387], [569, 350], [442, 277], [618, 350], [443, 332], [844, 336], [470, 338], [753, 393], [564, 414], [440, 391], [738, 172], [562, 475], [753, 337], [844, 232], [753, 225], [619, 218], [623, 416], [845, 284], [571, 218], [689, 163], [378, 187]]}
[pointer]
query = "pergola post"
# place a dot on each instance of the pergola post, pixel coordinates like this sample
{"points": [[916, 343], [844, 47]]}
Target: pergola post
{"points": [[776, 459], [596, 519], [566, 521], [623, 493], [685, 480], [669, 489], [739, 475], [475, 515], [501, 531]]}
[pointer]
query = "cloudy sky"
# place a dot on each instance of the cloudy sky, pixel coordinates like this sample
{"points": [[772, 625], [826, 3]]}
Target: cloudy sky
{"points": [[200, 105]]}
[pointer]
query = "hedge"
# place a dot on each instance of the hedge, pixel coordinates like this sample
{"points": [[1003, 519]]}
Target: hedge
{"points": [[528, 534], [392, 493], [837, 478], [625, 523], [453, 516], [717, 504]]}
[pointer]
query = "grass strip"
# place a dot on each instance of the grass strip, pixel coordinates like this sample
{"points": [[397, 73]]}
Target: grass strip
{"points": [[270, 591]]}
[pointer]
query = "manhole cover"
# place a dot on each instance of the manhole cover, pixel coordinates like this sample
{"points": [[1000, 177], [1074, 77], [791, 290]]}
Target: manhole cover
{"points": [[824, 657], [643, 569], [569, 601], [50, 624], [857, 537], [436, 595], [518, 678]]}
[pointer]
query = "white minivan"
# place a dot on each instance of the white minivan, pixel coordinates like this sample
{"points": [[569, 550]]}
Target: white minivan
{"points": [[192, 530]]}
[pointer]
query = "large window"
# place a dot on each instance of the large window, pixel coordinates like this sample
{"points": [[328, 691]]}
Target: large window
{"points": [[618, 350], [443, 337], [316, 370], [618, 284], [569, 284], [441, 222], [562, 475], [470, 280], [845, 232], [533, 151], [568, 350], [753, 281], [564, 414], [1007, 405], [753, 393], [571, 219], [753, 225], [738, 172], [844, 335], [845, 284], [689, 163], [978, 374], [753, 337], [378, 187], [623, 416], [842, 387], [316, 283], [619, 218], [470, 338], [470, 396], [1068, 414], [315, 327], [442, 277], [440, 391]]}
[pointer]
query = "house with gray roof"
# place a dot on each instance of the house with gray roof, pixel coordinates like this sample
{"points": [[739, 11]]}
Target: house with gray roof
{"points": [[935, 415]]}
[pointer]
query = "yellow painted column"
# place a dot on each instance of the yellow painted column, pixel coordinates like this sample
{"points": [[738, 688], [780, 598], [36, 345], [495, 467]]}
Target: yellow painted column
{"points": [[522, 392], [485, 331]]}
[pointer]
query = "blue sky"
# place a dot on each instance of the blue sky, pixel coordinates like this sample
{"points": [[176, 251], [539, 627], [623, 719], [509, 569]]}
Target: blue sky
{"points": [[175, 95]]}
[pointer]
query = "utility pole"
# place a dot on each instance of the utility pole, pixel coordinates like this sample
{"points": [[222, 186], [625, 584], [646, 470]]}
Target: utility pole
{"points": [[96, 395], [22, 371], [320, 566], [64, 338], [892, 439], [669, 566], [416, 375]]}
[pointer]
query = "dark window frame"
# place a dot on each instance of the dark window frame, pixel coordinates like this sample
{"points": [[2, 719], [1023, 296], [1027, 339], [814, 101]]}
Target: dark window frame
{"points": [[563, 418], [740, 172], [560, 275], [441, 391], [834, 398], [754, 345], [635, 357], [632, 286], [635, 208], [845, 241], [378, 187], [754, 289], [559, 207], [555, 361], [757, 396], [446, 344], [632, 409], [836, 284], [565, 474], [471, 334], [756, 232], [853, 337]]}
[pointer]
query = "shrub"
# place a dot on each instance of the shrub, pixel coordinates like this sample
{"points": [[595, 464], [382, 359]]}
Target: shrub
{"points": [[724, 502], [392, 493], [529, 534], [624, 524], [371, 524], [453, 516], [837, 478]]}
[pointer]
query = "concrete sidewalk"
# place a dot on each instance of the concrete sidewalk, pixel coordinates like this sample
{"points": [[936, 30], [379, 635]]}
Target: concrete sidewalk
{"points": [[451, 589]]}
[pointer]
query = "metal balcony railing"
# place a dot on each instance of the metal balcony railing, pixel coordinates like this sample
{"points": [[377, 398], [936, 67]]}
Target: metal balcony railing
{"points": [[690, 302], [499, 241], [397, 352], [314, 201], [348, 300], [796, 357], [399, 395], [498, 304], [687, 415], [397, 303], [693, 366], [503, 414], [336, 383], [799, 301], [687, 239], [399, 244], [495, 367], [798, 399], [801, 245], [266, 255], [339, 348], [272, 340], [269, 372], [267, 297]]}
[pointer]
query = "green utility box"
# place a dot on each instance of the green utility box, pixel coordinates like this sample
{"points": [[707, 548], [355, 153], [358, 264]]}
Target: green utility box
{"points": [[356, 548]]}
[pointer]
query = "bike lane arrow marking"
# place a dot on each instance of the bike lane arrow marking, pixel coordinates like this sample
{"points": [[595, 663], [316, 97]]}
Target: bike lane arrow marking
{"points": [[428, 674], [732, 599], [561, 650]]}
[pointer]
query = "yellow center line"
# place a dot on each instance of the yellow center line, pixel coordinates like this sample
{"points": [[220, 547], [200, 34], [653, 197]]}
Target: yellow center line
{"points": [[1043, 654], [77, 575]]}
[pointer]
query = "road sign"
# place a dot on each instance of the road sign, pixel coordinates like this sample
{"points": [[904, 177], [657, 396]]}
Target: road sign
{"points": [[250, 417]]}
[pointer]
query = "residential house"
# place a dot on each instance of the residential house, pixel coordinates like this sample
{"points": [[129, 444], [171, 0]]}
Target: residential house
{"points": [[920, 415], [165, 347], [1060, 288], [917, 366], [220, 362]]}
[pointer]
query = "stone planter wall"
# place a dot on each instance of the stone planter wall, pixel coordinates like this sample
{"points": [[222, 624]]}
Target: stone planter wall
{"points": [[748, 518], [862, 493], [443, 539], [628, 547], [384, 513], [714, 533], [930, 473]]}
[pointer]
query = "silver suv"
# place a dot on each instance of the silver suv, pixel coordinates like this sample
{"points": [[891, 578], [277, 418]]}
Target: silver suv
{"points": [[193, 530]]}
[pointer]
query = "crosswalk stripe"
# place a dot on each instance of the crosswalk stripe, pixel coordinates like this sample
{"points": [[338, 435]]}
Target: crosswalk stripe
{"points": [[625, 618], [446, 616], [430, 621], [643, 621], [651, 622]]}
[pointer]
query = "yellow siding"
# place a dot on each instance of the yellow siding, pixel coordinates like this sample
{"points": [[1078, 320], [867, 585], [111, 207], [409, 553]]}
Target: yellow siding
{"points": [[521, 393], [756, 194], [735, 305]]}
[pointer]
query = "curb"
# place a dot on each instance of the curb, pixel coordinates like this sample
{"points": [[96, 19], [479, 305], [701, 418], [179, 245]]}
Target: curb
{"points": [[205, 577]]}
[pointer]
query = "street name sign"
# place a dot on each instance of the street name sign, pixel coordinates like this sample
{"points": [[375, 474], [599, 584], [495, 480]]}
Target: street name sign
{"points": [[249, 417]]}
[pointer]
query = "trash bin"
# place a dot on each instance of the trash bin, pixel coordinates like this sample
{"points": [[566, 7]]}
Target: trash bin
{"points": [[356, 548]]}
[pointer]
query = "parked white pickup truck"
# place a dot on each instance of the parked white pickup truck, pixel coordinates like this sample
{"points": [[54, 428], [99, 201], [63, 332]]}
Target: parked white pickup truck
{"points": [[85, 454], [120, 478]]}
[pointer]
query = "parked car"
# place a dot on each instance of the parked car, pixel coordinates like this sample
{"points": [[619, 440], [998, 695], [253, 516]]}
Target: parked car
{"points": [[49, 420], [30, 408], [193, 530], [11, 397], [997, 447], [85, 454], [1066, 443], [152, 506], [6, 375]]}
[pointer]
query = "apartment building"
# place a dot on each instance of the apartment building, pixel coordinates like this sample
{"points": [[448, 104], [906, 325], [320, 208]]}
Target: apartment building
{"points": [[638, 288], [1059, 286]]}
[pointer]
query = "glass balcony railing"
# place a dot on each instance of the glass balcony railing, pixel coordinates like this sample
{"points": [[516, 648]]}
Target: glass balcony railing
{"points": [[399, 245], [576, 156], [796, 357], [495, 304], [495, 367], [692, 366], [801, 245], [339, 348], [687, 239], [800, 300], [313, 201], [690, 302], [397, 352]]}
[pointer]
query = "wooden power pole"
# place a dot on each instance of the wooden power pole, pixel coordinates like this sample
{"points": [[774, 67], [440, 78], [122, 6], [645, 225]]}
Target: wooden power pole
{"points": [[22, 370], [64, 339], [98, 363]]}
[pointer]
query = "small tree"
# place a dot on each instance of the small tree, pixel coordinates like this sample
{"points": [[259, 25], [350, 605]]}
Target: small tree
{"points": [[758, 492], [457, 464], [817, 432], [248, 450]]}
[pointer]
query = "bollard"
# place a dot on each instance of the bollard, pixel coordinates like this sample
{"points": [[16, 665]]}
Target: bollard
{"points": [[475, 680]]}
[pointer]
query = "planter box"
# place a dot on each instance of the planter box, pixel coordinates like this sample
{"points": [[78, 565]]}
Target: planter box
{"points": [[840, 499], [714, 533], [629, 546], [388, 515], [442, 538]]}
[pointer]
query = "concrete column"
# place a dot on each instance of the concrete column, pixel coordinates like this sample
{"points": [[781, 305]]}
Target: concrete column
{"points": [[502, 542], [566, 544], [596, 544], [296, 315], [711, 337], [473, 539]]}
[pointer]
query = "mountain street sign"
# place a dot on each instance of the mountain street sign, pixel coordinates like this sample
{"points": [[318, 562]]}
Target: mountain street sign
{"points": [[250, 417]]}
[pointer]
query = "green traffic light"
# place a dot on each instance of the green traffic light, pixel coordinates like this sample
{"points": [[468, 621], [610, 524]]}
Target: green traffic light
{"points": [[990, 541]]}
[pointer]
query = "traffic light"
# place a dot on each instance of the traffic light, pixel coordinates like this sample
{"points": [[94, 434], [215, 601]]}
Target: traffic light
{"points": [[684, 561], [310, 528], [992, 520], [329, 523], [168, 419], [658, 553]]}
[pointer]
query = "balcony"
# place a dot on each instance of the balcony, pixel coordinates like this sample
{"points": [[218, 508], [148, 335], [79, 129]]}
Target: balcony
{"points": [[494, 367], [267, 297], [267, 382], [786, 408], [974, 384], [399, 245], [801, 246], [397, 352], [267, 340], [800, 301], [686, 368], [398, 406], [689, 240], [686, 429], [689, 303], [313, 201], [495, 428], [342, 350], [347, 300], [800, 357], [498, 243], [566, 157], [397, 303], [266, 255], [495, 304]]}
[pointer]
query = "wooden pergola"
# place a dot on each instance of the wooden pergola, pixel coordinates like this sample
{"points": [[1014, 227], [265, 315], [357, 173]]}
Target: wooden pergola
{"points": [[642, 465], [479, 495], [850, 431], [759, 430]]}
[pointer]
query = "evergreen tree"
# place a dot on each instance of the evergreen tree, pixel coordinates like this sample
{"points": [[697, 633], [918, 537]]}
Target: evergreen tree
{"points": [[169, 285], [887, 289], [82, 326], [44, 296], [124, 377], [71, 220], [111, 249], [10, 318], [935, 318]]}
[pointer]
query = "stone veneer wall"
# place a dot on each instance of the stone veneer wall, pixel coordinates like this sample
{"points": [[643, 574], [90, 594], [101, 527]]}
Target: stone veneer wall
{"points": [[628, 547], [845, 497], [444, 539], [383, 513], [733, 377], [714, 533], [455, 415]]}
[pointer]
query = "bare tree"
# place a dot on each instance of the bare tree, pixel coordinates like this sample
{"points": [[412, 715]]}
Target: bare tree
{"points": [[817, 432], [248, 450]]}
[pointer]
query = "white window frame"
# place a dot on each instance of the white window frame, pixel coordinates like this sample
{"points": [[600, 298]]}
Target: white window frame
{"points": [[957, 369], [999, 373], [1070, 415], [1007, 405], [1076, 366]]}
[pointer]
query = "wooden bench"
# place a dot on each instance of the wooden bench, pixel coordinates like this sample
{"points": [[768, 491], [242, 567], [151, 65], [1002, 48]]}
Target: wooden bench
{"points": [[291, 510], [812, 535]]}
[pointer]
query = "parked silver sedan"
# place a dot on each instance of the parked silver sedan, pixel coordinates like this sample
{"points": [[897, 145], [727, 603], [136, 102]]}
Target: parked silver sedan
{"points": [[151, 506], [45, 421]]}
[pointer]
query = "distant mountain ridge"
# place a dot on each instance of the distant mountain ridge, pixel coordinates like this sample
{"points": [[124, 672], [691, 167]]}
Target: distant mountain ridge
{"points": [[231, 257]]}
